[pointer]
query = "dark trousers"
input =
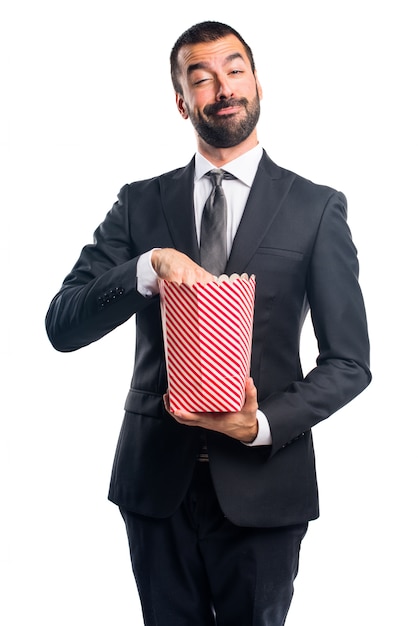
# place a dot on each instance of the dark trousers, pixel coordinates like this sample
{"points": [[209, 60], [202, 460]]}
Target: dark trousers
{"points": [[195, 568]]}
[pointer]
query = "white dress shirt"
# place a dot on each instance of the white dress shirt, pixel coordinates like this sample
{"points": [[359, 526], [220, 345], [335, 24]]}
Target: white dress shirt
{"points": [[237, 190]]}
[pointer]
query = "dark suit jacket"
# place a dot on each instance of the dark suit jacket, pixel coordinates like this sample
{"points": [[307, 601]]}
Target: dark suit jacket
{"points": [[294, 237]]}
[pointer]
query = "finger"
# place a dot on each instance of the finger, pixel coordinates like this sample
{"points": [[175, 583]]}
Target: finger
{"points": [[197, 274], [250, 388], [166, 400], [186, 416], [251, 402]]}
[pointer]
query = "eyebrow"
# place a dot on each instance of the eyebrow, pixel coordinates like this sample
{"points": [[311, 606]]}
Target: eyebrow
{"points": [[202, 65]]}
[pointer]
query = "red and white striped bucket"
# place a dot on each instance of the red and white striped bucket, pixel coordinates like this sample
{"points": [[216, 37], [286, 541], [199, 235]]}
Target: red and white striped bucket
{"points": [[207, 336]]}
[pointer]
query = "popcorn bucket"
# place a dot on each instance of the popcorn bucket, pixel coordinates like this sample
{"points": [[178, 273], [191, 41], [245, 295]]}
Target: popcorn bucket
{"points": [[207, 337]]}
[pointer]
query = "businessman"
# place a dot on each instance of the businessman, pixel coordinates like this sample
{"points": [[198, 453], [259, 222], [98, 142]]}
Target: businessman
{"points": [[216, 505]]}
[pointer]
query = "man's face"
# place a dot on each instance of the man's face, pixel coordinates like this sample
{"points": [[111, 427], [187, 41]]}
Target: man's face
{"points": [[221, 94]]}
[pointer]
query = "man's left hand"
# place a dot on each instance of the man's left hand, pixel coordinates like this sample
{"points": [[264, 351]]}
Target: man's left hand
{"points": [[242, 425]]}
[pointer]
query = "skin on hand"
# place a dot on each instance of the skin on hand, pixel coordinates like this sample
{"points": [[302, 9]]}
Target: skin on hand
{"points": [[177, 267], [242, 425]]}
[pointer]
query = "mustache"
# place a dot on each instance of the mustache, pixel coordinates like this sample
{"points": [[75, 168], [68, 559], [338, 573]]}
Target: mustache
{"points": [[210, 109]]}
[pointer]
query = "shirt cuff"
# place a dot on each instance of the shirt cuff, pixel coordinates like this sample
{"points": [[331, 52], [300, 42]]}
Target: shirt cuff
{"points": [[264, 437], [146, 276]]}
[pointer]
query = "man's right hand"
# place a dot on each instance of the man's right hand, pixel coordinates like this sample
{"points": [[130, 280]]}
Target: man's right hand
{"points": [[177, 267]]}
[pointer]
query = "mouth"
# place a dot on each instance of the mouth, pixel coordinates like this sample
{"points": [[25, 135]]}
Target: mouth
{"points": [[224, 108], [228, 110]]}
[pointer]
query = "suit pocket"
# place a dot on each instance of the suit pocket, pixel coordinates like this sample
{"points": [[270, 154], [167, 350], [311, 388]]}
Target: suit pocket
{"points": [[289, 254], [144, 403]]}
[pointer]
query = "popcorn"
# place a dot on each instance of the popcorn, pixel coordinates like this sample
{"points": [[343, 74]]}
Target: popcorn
{"points": [[207, 337]]}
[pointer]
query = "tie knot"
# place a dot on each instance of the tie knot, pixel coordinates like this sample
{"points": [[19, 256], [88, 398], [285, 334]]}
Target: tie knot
{"points": [[217, 175]]}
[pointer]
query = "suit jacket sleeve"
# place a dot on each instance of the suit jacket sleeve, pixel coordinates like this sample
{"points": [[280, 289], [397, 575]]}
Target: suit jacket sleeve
{"points": [[100, 292], [339, 321]]}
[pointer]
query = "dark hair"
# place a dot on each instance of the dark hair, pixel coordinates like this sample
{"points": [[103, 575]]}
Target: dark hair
{"points": [[201, 33]]}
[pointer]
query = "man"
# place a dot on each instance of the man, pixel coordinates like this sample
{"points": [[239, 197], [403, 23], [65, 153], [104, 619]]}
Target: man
{"points": [[217, 541]]}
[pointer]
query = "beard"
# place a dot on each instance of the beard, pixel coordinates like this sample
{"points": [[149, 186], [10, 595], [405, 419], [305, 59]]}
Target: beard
{"points": [[226, 131]]}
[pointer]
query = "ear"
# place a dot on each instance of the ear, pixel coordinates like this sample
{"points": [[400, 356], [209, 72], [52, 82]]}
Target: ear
{"points": [[181, 106]]}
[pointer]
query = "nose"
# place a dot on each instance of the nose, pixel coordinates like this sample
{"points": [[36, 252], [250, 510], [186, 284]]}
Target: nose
{"points": [[224, 90]]}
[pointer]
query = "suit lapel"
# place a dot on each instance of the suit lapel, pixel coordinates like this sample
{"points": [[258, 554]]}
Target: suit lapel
{"points": [[270, 188], [177, 201]]}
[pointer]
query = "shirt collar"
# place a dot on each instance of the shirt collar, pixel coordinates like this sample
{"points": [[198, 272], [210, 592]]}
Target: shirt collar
{"points": [[244, 167]]}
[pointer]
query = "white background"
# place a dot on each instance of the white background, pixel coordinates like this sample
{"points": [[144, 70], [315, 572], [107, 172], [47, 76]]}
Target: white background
{"points": [[88, 106]]}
